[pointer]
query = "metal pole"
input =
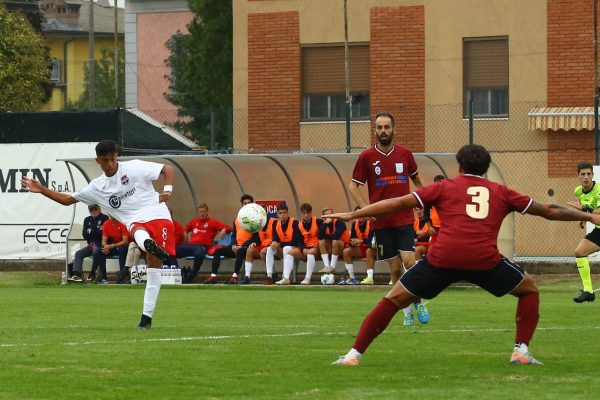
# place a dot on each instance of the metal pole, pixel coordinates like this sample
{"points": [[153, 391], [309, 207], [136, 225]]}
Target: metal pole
{"points": [[471, 130], [91, 62], [596, 92], [116, 55], [347, 80]]}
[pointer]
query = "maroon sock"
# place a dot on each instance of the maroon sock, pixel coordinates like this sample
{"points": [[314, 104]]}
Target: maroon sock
{"points": [[375, 323], [527, 317]]}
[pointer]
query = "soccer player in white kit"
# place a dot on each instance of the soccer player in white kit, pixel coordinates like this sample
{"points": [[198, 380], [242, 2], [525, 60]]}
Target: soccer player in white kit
{"points": [[125, 191]]}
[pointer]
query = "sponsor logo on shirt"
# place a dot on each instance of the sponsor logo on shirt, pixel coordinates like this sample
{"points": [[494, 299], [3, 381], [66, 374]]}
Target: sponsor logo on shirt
{"points": [[115, 201], [391, 180]]}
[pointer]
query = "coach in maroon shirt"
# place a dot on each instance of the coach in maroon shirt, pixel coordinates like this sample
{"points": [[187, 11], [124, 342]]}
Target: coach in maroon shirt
{"points": [[472, 208]]}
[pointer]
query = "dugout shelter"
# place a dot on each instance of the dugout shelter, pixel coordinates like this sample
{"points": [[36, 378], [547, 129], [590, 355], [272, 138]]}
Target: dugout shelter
{"points": [[319, 179]]}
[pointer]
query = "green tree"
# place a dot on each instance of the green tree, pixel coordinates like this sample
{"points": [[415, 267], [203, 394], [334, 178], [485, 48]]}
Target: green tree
{"points": [[23, 64], [104, 83], [201, 63]]}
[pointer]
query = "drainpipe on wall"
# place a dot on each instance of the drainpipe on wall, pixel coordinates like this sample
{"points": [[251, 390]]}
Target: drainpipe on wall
{"points": [[66, 86]]}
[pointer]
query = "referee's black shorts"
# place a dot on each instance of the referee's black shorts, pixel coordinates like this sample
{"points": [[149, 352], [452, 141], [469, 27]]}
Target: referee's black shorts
{"points": [[427, 281], [594, 236]]}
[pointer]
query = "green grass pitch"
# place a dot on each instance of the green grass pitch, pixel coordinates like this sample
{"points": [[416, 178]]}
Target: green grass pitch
{"points": [[255, 342]]}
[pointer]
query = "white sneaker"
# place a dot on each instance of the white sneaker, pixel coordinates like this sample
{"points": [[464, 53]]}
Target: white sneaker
{"points": [[305, 281], [283, 281], [367, 281], [390, 283], [345, 360], [521, 356]]}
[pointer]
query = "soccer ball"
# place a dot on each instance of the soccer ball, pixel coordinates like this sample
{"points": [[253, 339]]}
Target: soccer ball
{"points": [[252, 217], [327, 279]]}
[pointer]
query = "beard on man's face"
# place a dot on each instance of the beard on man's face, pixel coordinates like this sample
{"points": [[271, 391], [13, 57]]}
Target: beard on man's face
{"points": [[385, 139]]}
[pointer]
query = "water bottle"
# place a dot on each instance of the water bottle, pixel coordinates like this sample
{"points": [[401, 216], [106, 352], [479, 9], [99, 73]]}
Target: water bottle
{"points": [[63, 278]]}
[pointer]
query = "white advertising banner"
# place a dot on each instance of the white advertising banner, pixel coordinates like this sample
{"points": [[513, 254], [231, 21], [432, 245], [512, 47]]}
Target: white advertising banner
{"points": [[33, 226]]}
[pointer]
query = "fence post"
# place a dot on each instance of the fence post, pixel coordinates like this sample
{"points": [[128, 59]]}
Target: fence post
{"points": [[471, 118], [229, 112], [596, 139]]}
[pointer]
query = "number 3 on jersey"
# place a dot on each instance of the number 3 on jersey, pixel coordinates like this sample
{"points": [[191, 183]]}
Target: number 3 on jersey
{"points": [[480, 195]]}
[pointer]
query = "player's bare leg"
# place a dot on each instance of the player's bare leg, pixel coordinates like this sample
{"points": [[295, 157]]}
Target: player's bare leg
{"points": [[408, 260], [526, 318], [376, 322], [155, 256]]}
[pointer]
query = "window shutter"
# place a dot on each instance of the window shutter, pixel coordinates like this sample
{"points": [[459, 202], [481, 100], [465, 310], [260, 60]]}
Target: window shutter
{"points": [[485, 63], [323, 70]]}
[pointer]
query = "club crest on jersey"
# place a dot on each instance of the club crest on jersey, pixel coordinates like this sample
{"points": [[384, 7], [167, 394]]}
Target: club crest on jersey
{"points": [[377, 170], [399, 168], [124, 180]]}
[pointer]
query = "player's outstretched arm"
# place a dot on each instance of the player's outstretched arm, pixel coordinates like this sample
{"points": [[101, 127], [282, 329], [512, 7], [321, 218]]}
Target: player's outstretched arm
{"points": [[557, 212], [168, 173], [381, 207], [36, 187]]}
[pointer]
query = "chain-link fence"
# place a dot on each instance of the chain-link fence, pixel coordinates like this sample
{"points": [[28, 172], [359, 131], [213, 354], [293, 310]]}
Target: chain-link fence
{"points": [[536, 162]]}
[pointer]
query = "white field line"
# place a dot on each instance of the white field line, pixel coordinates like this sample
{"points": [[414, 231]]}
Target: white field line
{"points": [[237, 337]]}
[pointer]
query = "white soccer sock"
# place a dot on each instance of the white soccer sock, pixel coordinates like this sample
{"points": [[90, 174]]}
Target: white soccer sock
{"points": [[310, 266], [270, 261], [288, 266], [407, 310], [153, 283], [286, 250], [248, 268], [353, 353], [370, 272], [350, 269], [140, 237], [325, 258], [334, 258]]}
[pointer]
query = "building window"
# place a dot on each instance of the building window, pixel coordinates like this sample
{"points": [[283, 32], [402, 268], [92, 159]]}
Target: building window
{"points": [[55, 71], [324, 85], [485, 76]]}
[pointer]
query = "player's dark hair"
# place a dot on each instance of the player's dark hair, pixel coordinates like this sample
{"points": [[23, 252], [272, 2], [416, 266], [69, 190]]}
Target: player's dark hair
{"points": [[584, 165], [105, 147], [306, 207], [474, 159], [386, 114], [283, 206], [246, 197], [438, 178]]}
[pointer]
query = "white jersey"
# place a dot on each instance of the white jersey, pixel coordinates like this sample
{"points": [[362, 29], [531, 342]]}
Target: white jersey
{"points": [[128, 195]]}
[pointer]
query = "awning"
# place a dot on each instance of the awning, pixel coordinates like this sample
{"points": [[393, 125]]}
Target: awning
{"points": [[561, 118]]}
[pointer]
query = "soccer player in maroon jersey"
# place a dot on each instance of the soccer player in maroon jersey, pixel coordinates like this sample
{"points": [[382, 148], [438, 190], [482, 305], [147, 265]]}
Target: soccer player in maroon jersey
{"points": [[472, 209], [386, 168]]}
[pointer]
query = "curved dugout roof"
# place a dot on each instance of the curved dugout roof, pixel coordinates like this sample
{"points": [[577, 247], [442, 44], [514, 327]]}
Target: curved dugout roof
{"points": [[319, 179]]}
